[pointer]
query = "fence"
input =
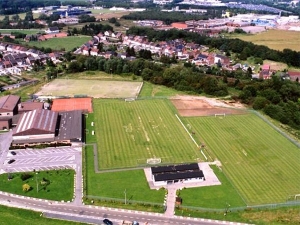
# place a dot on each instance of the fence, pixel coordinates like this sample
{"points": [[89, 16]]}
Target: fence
{"points": [[234, 209], [128, 201]]}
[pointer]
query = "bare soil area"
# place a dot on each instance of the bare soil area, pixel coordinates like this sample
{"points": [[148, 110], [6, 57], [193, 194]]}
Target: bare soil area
{"points": [[202, 106]]}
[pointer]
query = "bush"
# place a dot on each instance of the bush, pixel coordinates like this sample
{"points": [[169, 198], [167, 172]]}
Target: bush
{"points": [[25, 176]]}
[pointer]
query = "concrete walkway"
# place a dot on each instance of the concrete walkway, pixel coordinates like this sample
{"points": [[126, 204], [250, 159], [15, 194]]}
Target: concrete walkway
{"points": [[171, 199]]}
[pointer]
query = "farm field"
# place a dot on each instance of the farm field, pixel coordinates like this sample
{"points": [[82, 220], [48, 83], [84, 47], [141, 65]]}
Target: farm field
{"points": [[274, 39], [129, 133], [67, 43], [261, 163], [92, 88]]}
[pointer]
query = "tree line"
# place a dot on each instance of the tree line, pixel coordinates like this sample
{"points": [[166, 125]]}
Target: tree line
{"points": [[166, 17]]}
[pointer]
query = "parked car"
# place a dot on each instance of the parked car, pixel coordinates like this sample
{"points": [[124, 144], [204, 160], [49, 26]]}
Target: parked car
{"points": [[13, 153], [107, 222], [11, 161]]}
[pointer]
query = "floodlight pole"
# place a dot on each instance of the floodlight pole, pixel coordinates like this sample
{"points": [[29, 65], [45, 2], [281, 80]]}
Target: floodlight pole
{"points": [[37, 183], [125, 196]]}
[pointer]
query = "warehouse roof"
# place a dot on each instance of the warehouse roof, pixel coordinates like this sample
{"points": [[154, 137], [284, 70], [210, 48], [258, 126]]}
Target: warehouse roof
{"points": [[178, 176], [36, 122], [70, 125], [9, 102]]}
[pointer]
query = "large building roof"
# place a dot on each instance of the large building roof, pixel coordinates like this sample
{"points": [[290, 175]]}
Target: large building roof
{"points": [[9, 102], [39, 121], [29, 106], [70, 126]]}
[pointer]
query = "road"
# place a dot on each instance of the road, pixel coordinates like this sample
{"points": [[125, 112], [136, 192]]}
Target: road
{"points": [[95, 214]]}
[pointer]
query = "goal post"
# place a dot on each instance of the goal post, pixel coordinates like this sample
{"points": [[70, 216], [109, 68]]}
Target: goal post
{"points": [[220, 115], [153, 161]]}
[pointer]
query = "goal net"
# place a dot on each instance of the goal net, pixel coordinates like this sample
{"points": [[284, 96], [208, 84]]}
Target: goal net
{"points": [[220, 115], [129, 99], [153, 161]]}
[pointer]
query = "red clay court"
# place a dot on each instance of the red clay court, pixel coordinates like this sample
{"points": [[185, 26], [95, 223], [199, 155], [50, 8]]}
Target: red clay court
{"points": [[67, 104]]}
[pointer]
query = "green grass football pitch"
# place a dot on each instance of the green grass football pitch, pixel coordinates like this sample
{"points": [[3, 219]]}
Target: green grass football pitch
{"points": [[129, 133], [261, 163]]}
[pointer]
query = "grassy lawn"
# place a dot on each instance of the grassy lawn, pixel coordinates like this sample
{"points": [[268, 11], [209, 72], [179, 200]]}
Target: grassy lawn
{"points": [[60, 188], [68, 43], [14, 216], [151, 90], [128, 133], [113, 184], [276, 65], [274, 39], [24, 31], [213, 196], [278, 216], [261, 163]]}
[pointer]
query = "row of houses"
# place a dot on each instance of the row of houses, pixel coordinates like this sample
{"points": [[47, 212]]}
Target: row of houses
{"points": [[197, 54], [22, 58]]}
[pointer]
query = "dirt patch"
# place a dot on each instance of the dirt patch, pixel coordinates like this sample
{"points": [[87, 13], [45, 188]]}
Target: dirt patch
{"points": [[202, 106]]}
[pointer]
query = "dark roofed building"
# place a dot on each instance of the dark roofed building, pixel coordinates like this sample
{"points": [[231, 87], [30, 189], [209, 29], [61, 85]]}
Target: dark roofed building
{"points": [[9, 105], [70, 126], [185, 173], [35, 125]]}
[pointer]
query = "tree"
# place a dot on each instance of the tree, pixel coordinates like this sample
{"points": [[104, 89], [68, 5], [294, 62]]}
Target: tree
{"points": [[26, 187], [29, 16], [260, 103]]}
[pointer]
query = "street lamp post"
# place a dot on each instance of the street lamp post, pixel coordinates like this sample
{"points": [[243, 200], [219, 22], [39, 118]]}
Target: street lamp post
{"points": [[37, 183], [125, 196]]}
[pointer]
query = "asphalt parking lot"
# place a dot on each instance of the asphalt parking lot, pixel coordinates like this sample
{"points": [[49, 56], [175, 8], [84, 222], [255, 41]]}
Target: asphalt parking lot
{"points": [[42, 159]]}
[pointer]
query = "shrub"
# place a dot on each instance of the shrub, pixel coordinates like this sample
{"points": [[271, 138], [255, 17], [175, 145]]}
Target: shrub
{"points": [[25, 176]]}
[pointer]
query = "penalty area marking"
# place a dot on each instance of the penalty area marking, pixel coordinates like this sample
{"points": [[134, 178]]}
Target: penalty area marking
{"points": [[190, 136]]}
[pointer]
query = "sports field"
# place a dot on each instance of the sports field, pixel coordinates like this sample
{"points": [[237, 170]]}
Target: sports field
{"points": [[261, 163], [129, 133], [91, 88], [67, 43]]}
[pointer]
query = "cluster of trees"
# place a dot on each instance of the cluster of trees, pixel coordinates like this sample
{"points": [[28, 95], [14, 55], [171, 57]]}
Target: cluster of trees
{"points": [[86, 19], [18, 22], [125, 4], [168, 18], [242, 48], [90, 29], [114, 21], [188, 79], [276, 97]]}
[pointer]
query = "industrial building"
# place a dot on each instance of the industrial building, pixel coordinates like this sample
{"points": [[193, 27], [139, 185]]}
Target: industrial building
{"points": [[43, 126]]}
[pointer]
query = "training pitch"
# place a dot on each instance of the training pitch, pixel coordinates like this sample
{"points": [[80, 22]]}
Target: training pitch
{"points": [[129, 133], [261, 163], [91, 88]]}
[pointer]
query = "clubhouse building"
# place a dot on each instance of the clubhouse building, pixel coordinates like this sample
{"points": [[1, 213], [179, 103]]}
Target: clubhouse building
{"points": [[186, 173]]}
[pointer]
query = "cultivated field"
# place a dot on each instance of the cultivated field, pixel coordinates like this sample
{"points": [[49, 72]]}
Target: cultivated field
{"points": [[129, 133], [275, 39], [67, 43], [261, 163], [92, 88]]}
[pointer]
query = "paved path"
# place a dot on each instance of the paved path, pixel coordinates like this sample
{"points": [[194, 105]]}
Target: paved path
{"points": [[171, 199]]}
